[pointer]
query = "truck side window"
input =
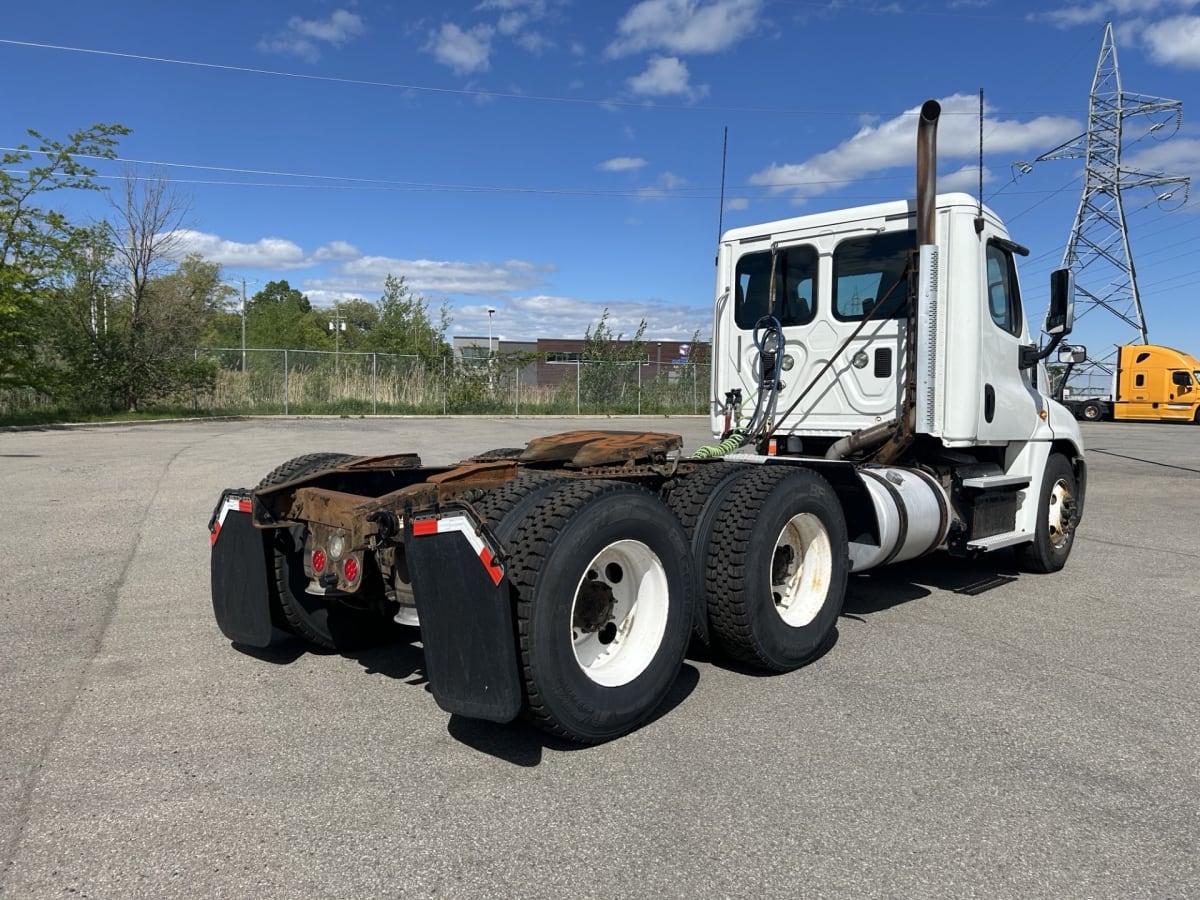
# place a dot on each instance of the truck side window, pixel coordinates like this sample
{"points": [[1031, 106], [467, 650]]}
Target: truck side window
{"points": [[870, 270], [795, 287], [1004, 297]]}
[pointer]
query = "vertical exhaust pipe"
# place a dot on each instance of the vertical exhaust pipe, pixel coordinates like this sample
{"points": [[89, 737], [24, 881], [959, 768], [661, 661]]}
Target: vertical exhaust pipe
{"points": [[918, 356], [931, 110]]}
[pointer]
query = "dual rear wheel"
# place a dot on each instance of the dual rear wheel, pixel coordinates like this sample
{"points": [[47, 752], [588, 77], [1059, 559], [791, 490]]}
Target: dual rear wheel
{"points": [[775, 561]]}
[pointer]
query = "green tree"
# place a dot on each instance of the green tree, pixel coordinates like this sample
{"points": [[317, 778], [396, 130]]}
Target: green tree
{"points": [[359, 318], [280, 316], [406, 325], [86, 341], [610, 364], [35, 242]]}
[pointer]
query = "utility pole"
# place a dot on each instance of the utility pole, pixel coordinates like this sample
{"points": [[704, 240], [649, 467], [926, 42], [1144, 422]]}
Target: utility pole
{"points": [[243, 310], [1098, 251], [337, 325]]}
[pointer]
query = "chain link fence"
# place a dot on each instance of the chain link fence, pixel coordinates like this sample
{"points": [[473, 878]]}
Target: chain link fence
{"points": [[299, 382]]}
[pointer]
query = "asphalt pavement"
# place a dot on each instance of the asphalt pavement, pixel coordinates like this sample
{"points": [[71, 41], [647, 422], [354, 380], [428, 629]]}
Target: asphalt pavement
{"points": [[969, 734]]}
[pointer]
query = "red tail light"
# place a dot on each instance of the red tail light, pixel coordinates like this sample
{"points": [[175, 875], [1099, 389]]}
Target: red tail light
{"points": [[318, 561]]}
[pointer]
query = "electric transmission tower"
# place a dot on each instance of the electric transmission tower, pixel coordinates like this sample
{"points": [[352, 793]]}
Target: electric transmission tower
{"points": [[1098, 250]]}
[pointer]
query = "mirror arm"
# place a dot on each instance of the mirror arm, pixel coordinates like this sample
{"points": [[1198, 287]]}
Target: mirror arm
{"points": [[1031, 355]]}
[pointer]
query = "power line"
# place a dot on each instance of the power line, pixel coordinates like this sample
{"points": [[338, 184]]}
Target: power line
{"points": [[462, 92]]}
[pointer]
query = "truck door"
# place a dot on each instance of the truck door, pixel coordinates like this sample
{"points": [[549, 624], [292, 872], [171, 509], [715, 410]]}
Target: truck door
{"points": [[818, 310], [1008, 410]]}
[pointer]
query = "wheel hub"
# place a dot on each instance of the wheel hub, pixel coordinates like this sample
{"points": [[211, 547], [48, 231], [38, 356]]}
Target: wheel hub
{"points": [[1063, 514], [801, 569], [593, 606], [619, 613]]}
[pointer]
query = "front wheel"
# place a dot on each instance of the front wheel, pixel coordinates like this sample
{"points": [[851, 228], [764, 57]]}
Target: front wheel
{"points": [[603, 581], [1057, 518]]}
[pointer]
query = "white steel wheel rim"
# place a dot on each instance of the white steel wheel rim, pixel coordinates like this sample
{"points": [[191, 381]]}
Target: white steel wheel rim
{"points": [[1060, 514], [801, 569], [623, 647]]}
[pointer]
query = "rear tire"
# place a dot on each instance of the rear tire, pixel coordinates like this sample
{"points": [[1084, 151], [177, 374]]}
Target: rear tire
{"points": [[603, 584], [1057, 517], [776, 568], [318, 621], [1091, 412], [696, 500]]}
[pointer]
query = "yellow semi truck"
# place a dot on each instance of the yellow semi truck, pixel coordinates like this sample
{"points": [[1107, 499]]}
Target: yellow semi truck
{"points": [[1151, 383]]}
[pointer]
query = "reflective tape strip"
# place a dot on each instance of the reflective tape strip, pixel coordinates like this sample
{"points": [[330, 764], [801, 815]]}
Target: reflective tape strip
{"points": [[239, 504], [467, 529]]}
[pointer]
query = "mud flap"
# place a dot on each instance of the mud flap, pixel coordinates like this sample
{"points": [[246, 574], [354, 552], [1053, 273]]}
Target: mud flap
{"points": [[241, 588], [466, 617]]}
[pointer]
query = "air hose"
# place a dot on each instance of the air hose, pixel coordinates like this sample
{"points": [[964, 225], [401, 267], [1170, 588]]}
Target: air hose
{"points": [[736, 439]]}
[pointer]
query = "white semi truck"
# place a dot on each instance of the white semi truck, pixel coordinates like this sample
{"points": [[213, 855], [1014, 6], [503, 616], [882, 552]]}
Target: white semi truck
{"points": [[876, 398]]}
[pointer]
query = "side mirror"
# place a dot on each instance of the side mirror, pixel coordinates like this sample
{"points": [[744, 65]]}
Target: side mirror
{"points": [[1181, 379], [1075, 353], [1060, 317]]}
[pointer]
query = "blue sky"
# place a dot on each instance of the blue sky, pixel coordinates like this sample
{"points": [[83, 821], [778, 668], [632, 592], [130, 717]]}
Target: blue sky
{"points": [[553, 158]]}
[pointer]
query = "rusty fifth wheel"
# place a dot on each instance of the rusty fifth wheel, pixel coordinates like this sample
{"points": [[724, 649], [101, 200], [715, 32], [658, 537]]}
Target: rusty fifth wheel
{"points": [[603, 584]]}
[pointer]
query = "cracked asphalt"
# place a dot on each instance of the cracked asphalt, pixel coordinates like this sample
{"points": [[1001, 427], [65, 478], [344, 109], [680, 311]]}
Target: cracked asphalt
{"points": [[1037, 739]]}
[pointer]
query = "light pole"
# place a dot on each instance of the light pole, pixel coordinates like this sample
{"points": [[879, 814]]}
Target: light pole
{"points": [[337, 325], [491, 312], [242, 312]]}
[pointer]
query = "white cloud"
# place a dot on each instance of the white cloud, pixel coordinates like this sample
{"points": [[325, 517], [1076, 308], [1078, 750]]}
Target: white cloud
{"points": [[517, 18], [1105, 10], [736, 203], [270, 253], [569, 317], [533, 41], [876, 148], [1178, 155], [364, 276], [1174, 41], [462, 51], [621, 164], [667, 182], [685, 26], [964, 179], [665, 76], [302, 37]]}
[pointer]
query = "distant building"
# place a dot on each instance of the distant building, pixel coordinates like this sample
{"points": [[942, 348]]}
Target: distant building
{"points": [[556, 360]]}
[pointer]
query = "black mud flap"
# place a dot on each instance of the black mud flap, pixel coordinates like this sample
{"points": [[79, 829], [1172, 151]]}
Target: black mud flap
{"points": [[466, 616], [241, 592]]}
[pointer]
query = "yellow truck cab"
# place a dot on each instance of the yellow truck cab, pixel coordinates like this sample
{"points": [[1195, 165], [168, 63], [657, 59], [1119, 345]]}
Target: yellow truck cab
{"points": [[1157, 383]]}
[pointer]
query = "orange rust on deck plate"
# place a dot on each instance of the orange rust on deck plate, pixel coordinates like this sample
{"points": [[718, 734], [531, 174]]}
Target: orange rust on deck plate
{"points": [[581, 449]]}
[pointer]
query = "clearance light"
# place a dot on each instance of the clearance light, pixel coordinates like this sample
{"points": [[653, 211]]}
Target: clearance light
{"points": [[318, 561], [350, 570]]}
